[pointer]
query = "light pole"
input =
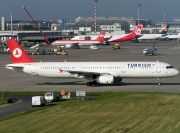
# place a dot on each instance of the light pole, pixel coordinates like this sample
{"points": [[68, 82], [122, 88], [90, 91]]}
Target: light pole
{"points": [[95, 15], [139, 5], [11, 25], [164, 15]]}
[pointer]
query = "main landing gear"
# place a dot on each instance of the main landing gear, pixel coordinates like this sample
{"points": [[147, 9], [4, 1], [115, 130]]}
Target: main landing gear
{"points": [[89, 83]]}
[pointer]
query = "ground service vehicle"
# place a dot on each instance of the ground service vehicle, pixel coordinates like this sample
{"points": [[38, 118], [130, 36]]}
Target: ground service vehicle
{"points": [[58, 51], [38, 101], [116, 46], [51, 96]]}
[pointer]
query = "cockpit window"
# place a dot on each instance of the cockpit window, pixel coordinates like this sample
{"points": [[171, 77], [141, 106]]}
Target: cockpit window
{"points": [[169, 67]]}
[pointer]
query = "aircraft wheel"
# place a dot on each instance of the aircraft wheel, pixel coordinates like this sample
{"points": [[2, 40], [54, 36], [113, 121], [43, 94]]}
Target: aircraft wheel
{"points": [[120, 79], [159, 83], [94, 82], [89, 83]]}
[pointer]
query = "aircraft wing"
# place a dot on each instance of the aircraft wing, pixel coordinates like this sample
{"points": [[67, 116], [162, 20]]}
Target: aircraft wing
{"points": [[86, 74], [164, 35], [75, 44]]}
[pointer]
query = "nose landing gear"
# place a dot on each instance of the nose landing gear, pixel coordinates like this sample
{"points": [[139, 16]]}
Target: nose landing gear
{"points": [[159, 82]]}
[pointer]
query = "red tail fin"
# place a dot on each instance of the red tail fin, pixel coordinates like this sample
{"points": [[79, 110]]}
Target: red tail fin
{"points": [[137, 30], [18, 55], [101, 37]]}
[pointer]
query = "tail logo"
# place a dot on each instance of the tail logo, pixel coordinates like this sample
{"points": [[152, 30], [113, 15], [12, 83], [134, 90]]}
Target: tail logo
{"points": [[138, 31], [101, 36], [17, 53], [165, 29]]}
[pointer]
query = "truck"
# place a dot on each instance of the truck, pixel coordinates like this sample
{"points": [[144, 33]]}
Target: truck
{"points": [[57, 51], [38, 101], [116, 46], [35, 51], [52, 96], [32, 51]]}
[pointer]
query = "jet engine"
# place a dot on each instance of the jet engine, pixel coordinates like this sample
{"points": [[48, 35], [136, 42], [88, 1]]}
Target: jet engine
{"points": [[108, 79], [68, 46]]}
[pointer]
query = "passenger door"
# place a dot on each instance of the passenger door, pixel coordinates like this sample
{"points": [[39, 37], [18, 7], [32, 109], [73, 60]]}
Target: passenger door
{"points": [[158, 68]]}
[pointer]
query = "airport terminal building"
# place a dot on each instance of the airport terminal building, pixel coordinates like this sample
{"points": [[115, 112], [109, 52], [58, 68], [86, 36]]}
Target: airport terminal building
{"points": [[60, 29], [87, 24]]}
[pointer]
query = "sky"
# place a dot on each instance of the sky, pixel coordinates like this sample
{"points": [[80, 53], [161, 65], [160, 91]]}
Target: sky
{"points": [[70, 9]]}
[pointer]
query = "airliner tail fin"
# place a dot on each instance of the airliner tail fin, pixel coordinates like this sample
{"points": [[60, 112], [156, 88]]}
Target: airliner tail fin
{"points": [[18, 55]]}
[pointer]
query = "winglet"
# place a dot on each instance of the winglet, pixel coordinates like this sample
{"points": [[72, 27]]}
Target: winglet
{"points": [[101, 37], [18, 55]]}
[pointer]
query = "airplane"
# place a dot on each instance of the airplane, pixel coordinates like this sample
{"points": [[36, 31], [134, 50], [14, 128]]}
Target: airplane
{"points": [[149, 51], [78, 43], [160, 34], [92, 37], [95, 72], [173, 37], [89, 37], [136, 33]]}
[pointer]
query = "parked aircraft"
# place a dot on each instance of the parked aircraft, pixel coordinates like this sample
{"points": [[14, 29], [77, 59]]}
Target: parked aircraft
{"points": [[95, 72], [92, 37], [136, 33], [162, 33], [78, 43], [173, 37], [149, 51]]}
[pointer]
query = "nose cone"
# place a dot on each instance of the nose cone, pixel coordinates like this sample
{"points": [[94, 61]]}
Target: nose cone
{"points": [[176, 72]]}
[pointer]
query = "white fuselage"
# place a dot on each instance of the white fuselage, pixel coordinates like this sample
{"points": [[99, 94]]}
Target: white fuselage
{"points": [[150, 36], [79, 42], [173, 37], [116, 69], [91, 37]]}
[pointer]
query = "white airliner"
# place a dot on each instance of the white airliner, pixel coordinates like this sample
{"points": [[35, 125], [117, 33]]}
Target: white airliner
{"points": [[92, 37], [95, 72], [78, 43], [160, 34], [174, 37]]}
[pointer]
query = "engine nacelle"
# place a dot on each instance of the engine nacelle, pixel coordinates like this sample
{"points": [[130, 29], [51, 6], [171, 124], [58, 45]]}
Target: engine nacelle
{"points": [[68, 46], [108, 79]]}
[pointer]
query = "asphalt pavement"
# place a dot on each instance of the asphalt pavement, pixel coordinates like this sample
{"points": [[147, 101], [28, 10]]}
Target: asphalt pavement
{"points": [[167, 51]]}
